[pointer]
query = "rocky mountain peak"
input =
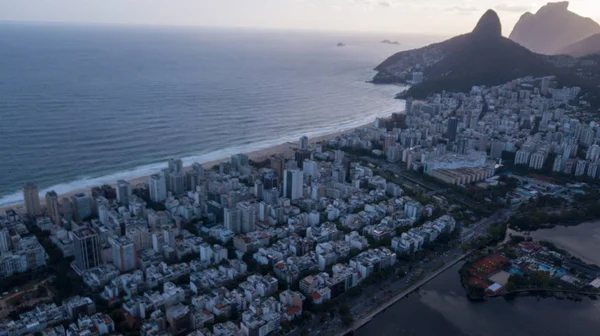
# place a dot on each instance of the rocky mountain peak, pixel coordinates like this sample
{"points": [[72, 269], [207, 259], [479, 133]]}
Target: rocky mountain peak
{"points": [[562, 6], [489, 25]]}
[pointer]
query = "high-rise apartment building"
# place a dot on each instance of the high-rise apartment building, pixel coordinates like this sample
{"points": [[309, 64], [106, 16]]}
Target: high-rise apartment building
{"points": [[248, 216], [199, 169], [191, 180], [452, 128], [52, 207], [239, 160], [175, 165], [303, 143], [67, 209], [300, 156], [293, 184], [87, 252], [158, 187], [82, 207], [177, 183], [32, 199], [4, 240], [123, 254], [233, 219], [123, 192], [278, 164]]}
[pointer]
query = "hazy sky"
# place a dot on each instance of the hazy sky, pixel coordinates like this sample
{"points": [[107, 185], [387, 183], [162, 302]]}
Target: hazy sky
{"points": [[440, 17]]}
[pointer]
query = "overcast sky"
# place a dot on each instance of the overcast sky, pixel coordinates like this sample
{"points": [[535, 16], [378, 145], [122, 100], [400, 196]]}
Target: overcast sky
{"points": [[439, 17]]}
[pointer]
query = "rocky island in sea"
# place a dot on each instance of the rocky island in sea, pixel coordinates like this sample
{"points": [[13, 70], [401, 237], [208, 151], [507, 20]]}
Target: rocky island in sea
{"points": [[390, 42]]}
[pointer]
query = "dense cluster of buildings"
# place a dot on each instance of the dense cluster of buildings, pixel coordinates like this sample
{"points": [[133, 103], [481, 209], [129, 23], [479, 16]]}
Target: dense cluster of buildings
{"points": [[192, 247], [20, 251], [459, 138], [78, 313]]}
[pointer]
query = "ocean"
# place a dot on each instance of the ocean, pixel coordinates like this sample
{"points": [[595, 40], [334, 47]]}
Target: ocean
{"points": [[82, 105]]}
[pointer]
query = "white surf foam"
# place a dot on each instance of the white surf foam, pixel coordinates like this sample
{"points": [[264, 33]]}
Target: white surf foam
{"points": [[89, 182]]}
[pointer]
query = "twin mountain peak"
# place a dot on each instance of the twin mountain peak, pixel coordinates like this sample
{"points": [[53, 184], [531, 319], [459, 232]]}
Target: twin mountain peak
{"points": [[481, 57]]}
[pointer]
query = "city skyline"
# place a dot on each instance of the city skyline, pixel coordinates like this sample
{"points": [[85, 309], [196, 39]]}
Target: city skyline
{"points": [[435, 17]]}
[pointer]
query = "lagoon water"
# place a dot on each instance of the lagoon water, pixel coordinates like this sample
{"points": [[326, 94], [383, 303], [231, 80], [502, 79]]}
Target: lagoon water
{"points": [[442, 308], [582, 240]]}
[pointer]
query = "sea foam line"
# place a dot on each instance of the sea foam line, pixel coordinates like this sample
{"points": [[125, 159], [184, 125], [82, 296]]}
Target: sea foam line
{"points": [[89, 182]]}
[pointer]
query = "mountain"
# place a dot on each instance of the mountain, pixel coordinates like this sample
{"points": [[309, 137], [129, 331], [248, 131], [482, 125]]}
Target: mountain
{"points": [[552, 28], [482, 57], [587, 46]]}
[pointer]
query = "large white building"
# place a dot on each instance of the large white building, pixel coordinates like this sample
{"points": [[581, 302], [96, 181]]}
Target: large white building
{"points": [[293, 184], [247, 216], [311, 168], [537, 160], [123, 254], [522, 157], [455, 161], [123, 192], [158, 187], [233, 219]]}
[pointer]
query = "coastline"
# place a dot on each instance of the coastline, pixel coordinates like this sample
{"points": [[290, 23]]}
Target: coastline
{"points": [[285, 149]]}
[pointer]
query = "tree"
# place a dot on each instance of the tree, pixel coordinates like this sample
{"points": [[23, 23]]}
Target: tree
{"points": [[510, 286], [347, 320], [344, 309]]}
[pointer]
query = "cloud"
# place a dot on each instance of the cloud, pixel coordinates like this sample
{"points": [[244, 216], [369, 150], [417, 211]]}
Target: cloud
{"points": [[513, 8], [464, 10]]}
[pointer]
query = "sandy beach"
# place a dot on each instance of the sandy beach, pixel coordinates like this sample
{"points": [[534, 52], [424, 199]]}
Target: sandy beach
{"points": [[285, 149]]}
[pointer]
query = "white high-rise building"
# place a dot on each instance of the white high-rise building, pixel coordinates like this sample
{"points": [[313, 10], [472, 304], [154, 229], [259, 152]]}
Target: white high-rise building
{"points": [[4, 241], [293, 184], [522, 157], [198, 169], [537, 160], [82, 206], [558, 165], [248, 216], [580, 168], [311, 168], [232, 219], [123, 192], [177, 183], [158, 187], [140, 236], [593, 153], [176, 166], [123, 254]]}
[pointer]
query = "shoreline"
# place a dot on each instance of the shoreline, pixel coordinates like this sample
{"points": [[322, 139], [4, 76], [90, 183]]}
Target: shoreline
{"points": [[286, 149]]}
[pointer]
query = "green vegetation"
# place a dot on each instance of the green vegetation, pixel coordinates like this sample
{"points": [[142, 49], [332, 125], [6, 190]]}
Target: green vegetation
{"points": [[344, 311], [549, 211], [534, 280], [191, 227]]}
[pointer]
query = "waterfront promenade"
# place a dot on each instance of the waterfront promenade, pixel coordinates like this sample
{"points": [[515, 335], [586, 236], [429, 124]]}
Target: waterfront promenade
{"points": [[366, 319]]}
